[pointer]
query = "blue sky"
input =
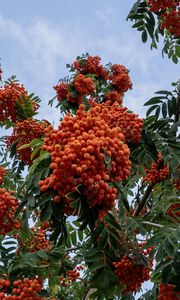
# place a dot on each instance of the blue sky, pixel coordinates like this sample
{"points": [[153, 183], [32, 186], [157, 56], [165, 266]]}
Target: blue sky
{"points": [[38, 38]]}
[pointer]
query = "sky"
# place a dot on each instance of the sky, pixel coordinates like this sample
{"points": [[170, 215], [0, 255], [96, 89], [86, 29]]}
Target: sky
{"points": [[38, 38]]}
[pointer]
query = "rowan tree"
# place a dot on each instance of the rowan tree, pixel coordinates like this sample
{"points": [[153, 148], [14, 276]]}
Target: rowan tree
{"points": [[90, 210]]}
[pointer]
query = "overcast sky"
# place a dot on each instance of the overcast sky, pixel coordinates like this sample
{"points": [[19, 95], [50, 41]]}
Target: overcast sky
{"points": [[38, 38]]}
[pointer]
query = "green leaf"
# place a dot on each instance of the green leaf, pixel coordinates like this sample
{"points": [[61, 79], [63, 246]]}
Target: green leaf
{"points": [[135, 7], [96, 266], [166, 274], [164, 110], [175, 59], [157, 113], [170, 108], [80, 235], [151, 109], [138, 24], [25, 146], [46, 212], [169, 248], [163, 92], [153, 100], [73, 238], [101, 280], [96, 257], [103, 238], [160, 253], [162, 265], [144, 36], [42, 254]]}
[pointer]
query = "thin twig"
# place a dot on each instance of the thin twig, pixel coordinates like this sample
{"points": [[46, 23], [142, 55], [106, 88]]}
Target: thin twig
{"points": [[143, 200], [90, 292], [73, 249], [152, 224]]}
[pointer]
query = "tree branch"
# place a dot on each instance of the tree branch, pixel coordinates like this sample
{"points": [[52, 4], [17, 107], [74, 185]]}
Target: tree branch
{"points": [[90, 292], [143, 200]]}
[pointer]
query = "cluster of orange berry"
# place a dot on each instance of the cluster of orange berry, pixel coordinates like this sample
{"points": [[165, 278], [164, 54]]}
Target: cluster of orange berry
{"points": [[25, 289], [161, 5], [171, 22], [113, 96], [90, 65], [166, 292], [176, 183], [128, 122], [86, 151], [130, 273], [45, 226], [157, 173], [119, 79], [81, 85], [116, 78], [37, 241], [23, 133], [4, 283], [71, 276], [174, 211], [8, 206], [2, 174], [9, 95], [169, 14]]}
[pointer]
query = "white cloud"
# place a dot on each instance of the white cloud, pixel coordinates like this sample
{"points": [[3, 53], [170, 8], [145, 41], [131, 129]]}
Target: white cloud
{"points": [[41, 49], [42, 44], [106, 15]]}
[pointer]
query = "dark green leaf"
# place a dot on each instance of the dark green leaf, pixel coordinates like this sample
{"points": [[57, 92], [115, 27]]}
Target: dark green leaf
{"points": [[144, 36], [166, 274], [151, 109], [162, 265], [153, 100], [164, 110], [46, 212]]}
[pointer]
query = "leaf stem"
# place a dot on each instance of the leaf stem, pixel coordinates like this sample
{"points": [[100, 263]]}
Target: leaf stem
{"points": [[73, 249], [152, 224]]}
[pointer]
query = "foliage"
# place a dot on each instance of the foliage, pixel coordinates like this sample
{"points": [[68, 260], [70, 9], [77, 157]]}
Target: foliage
{"points": [[149, 22]]}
